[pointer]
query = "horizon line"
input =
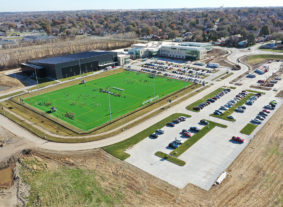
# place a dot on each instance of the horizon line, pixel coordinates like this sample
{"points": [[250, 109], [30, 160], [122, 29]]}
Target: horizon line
{"points": [[141, 9]]}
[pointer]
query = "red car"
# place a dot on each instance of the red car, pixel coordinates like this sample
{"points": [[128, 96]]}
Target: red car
{"points": [[187, 134], [238, 139], [266, 111]]}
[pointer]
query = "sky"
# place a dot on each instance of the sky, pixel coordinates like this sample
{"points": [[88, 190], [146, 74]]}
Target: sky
{"points": [[55, 5]]}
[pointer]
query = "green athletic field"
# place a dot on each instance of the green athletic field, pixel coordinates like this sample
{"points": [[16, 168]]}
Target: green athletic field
{"points": [[86, 106]]}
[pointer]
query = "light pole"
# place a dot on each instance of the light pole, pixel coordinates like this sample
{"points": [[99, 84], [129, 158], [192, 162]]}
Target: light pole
{"points": [[154, 86], [36, 77], [80, 67], [109, 106]]}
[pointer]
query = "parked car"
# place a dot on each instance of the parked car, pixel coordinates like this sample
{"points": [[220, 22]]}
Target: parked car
{"points": [[182, 118], [187, 134], [194, 129], [154, 135], [218, 112], [176, 121], [266, 111], [170, 124], [160, 131], [269, 107], [239, 110], [197, 108], [238, 139], [255, 121], [260, 117], [230, 117], [203, 122], [175, 144]]}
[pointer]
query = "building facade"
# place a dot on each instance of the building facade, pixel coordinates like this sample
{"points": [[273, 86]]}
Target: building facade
{"points": [[70, 65], [182, 52], [206, 46]]}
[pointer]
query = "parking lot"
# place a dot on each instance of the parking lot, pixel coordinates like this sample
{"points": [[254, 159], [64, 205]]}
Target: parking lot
{"points": [[208, 157], [194, 72]]}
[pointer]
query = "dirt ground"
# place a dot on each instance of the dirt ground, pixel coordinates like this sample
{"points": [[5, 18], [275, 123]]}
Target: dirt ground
{"points": [[217, 56], [280, 94], [255, 178], [10, 82]]}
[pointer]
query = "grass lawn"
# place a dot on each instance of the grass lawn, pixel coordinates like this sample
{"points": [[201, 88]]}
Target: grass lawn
{"points": [[196, 137], [226, 76], [170, 158], [253, 91], [255, 59], [65, 186], [211, 95], [86, 107], [77, 76], [218, 76], [233, 108], [248, 129], [118, 149], [272, 50]]}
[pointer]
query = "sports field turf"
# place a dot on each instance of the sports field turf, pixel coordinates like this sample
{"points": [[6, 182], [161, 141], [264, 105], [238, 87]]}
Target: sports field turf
{"points": [[89, 106]]}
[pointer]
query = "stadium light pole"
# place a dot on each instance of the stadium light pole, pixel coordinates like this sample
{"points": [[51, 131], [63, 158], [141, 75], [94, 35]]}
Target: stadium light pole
{"points": [[154, 86], [80, 67], [36, 77], [109, 106]]}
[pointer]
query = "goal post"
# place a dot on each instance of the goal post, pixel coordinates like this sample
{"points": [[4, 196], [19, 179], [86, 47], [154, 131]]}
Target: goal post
{"points": [[150, 100]]}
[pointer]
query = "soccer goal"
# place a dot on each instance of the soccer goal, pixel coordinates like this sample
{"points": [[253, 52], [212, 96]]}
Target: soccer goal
{"points": [[150, 100]]}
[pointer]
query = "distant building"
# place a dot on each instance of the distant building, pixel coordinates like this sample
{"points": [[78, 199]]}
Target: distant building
{"points": [[32, 38], [243, 43], [70, 65], [182, 52], [3, 34], [207, 46], [4, 43], [123, 59], [144, 50]]}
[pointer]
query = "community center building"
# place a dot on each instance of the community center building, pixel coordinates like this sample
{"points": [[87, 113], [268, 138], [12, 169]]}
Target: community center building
{"points": [[70, 65]]}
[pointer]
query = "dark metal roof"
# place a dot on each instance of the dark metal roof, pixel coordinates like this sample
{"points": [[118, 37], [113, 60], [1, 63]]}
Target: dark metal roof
{"points": [[37, 67], [68, 58]]}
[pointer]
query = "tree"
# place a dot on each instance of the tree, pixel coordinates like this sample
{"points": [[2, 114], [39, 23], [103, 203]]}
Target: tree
{"points": [[251, 39], [264, 31]]}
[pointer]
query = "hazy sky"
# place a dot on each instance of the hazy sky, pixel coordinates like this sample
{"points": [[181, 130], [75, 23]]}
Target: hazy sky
{"points": [[47, 5]]}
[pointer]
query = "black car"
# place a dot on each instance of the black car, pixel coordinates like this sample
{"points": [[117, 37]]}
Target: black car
{"points": [[203, 122], [170, 124], [154, 136], [194, 129], [176, 121]]}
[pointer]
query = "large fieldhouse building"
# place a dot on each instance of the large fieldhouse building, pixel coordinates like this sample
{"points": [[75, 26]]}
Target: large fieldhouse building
{"points": [[70, 65]]}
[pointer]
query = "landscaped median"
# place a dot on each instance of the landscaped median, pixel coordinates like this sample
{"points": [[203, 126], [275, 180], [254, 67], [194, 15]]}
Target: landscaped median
{"points": [[191, 141], [225, 76], [253, 91], [198, 102], [170, 158], [118, 149], [248, 129]]}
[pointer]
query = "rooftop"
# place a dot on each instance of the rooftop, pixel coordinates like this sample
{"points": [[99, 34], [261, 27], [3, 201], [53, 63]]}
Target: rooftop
{"points": [[68, 58]]}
